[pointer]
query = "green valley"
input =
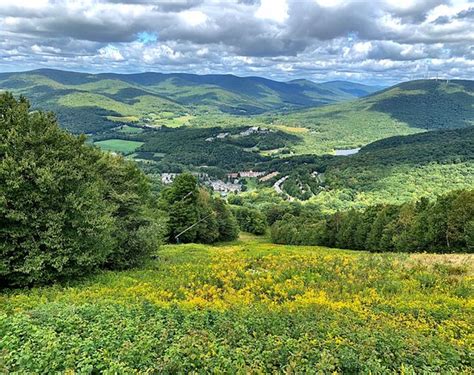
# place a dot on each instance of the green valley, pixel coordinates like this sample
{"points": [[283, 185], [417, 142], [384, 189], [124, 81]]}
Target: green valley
{"points": [[87, 103]]}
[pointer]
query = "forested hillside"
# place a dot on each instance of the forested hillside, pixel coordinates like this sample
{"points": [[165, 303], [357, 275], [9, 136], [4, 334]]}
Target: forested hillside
{"points": [[407, 167], [91, 223], [407, 108], [90, 103], [236, 187], [393, 170]]}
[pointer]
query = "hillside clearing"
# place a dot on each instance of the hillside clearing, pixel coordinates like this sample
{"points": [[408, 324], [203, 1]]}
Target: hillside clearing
{"points": [[119, 145]]}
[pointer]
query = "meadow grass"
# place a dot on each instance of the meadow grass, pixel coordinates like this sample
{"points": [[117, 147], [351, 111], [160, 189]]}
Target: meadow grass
{"points": [[130, 129], [119, 145], [249, 307]]}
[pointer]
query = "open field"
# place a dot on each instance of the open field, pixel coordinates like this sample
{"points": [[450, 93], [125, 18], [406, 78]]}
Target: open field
{"points": [[249, 306], [130, 130], [119, 145]]}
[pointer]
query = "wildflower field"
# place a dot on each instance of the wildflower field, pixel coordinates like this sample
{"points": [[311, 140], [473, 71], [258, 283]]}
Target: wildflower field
{"points": [[249, 307]]}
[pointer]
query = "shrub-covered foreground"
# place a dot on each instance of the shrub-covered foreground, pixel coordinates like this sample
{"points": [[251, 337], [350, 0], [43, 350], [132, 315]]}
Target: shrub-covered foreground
{"points": [[249, 307]]}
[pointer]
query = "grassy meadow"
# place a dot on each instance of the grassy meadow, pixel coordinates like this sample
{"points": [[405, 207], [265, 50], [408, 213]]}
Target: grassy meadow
{"points": [[249, 307], [119, 145]]}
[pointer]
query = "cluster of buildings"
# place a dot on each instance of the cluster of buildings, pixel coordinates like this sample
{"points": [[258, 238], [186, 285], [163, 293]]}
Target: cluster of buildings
{"points": [[244, 174], [225, 187], [217, 185], [232, 185], [168, 178], [218, 136], [244, 133], [254, 130]]}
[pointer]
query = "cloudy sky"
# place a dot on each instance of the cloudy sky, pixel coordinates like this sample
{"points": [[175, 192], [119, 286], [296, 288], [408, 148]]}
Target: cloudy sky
{"points": [[379, 41]]}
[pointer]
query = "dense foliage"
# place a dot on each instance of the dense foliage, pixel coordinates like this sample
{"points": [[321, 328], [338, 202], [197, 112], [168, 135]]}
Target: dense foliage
{"points": [[194, 215], [428, 104], [443, 225], [250, 220], [65, 207], [249, 308], [188, 147], [400, 169]]}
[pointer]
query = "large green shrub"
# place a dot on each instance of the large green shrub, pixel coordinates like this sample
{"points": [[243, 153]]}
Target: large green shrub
{"points": [[139, 225], [65, 207]]}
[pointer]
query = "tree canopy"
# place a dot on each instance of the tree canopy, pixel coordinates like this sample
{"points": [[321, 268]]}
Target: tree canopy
{"points": [[66, 208]]}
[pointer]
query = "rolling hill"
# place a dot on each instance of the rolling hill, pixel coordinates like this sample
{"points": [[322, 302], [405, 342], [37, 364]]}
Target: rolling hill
{"points": [[407, 108], [93, 102], [400, 169]]}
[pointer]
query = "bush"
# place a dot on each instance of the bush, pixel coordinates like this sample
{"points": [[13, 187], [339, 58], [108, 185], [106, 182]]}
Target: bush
{"points": [[66, 208]]}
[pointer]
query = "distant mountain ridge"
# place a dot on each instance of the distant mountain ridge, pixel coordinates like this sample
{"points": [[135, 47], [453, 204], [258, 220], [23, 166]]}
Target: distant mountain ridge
{"points": [[226, 92]]}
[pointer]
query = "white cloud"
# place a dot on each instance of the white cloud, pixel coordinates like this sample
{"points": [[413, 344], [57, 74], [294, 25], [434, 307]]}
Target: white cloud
{"points": [[284, 39], [193, 17], [275, 10], [44, 49], [110, 53], [160, 53]]}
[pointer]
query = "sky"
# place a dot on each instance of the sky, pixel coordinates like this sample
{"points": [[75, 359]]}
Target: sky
{"points": [[375, 42]]}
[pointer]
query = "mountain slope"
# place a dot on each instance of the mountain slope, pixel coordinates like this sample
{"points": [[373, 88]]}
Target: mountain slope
{"points": [[351, 89], [85, 103], [428, 104], [400, 169], [407, 108], [144, 97]]}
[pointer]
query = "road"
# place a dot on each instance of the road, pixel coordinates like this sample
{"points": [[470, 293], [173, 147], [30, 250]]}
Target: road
{"points": [[277, 187]]}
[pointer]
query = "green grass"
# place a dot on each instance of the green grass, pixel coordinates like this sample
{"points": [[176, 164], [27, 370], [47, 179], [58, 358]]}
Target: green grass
{"points": [[119, 145], [130, 130], [169, 119], [249, 307]]}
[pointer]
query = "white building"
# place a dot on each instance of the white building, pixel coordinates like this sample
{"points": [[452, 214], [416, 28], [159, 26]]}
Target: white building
{"points": [[168, 178]]}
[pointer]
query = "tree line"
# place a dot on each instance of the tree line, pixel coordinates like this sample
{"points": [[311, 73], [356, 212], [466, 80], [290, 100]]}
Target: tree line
{"points": [[443, 225]]}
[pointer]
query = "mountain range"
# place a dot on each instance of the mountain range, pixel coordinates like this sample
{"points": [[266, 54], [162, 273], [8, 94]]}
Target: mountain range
{"points": [[327, 116], [107, 97]]}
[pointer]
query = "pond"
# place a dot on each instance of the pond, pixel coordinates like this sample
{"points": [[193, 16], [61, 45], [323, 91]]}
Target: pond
{"points": [[346, 152]]}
